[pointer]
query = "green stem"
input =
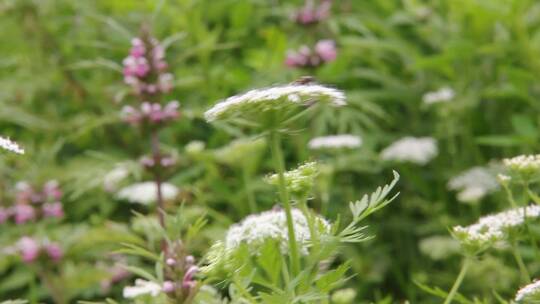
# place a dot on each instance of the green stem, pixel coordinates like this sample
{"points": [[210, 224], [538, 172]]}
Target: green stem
{"points": [[522, 269], [249, 191], [459, 280], [277, 155], [311, 223]]}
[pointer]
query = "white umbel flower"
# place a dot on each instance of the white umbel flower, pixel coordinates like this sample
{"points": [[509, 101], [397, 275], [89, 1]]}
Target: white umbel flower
{"points": [[7, 144], [418, 150], [257, 228], [494, 228], [274, 98], [529, 293], [335, 142], [142, 287], [524, 165], [145, 193], [442, 95], [473, 184]]}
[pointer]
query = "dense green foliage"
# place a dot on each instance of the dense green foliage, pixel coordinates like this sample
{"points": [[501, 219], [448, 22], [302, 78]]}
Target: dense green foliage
{"points": [[61, 92]]}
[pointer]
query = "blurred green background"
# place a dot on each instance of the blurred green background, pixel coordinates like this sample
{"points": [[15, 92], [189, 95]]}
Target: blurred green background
{"points": [[61, 91]]}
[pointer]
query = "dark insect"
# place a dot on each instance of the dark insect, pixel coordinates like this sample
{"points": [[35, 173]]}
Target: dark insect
{"points": [[304, 80]]}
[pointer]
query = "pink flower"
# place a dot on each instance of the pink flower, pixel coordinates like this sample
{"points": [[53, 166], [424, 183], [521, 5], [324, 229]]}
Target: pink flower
{"points": [[53, 210], [54, 252], [326, 49], [51, 190], [29, 249], [23, 213], [168, 286], [310, 13], [187, 281], [137, 49]]}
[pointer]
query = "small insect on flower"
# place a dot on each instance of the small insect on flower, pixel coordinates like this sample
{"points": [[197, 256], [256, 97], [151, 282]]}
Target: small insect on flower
{"points": [[529, 293], [417, 150], [8, 145], [276, 104], [347, 141], [493, 228], [145, 193]]}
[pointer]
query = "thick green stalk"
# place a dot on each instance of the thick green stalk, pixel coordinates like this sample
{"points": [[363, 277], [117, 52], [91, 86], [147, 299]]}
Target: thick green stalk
{"points": [[249, 190], [277, 155], [459, 280]]}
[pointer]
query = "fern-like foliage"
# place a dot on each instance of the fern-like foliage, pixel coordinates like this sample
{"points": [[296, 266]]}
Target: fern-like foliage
{"points": [[365, 207]]}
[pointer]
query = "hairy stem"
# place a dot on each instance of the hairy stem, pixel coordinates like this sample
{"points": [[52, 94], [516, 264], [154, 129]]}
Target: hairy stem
{"points": [[459, 280], [277, 155]]}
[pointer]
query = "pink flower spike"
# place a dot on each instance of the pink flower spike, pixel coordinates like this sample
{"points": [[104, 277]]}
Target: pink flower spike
{"points": [[51, 189], [23, 213], [4, 215], [54, 252], [54, 210], [326, 49], [29, 249]]}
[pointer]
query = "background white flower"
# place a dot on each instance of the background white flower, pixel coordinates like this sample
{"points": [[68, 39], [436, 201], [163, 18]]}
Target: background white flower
{"points": [[473, 184], [494, 228], [145, 193], [442, 95], [7, 144], [140, 288], [418, 150], [335, 142]]}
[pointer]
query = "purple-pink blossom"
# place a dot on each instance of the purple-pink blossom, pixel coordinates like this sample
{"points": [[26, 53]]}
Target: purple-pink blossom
{"points": [[54, 252], [324, 51], [145, 67], [151, 113], [29, 249], [23, 213], [311, 13], [54, 210], [188, 282]]}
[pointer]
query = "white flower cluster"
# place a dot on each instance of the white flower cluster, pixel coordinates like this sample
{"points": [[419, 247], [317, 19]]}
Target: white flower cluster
{"points": [[442, 95], [335, 142], [418, 150], [279, 97], [529, 293], [299, 181], [257, 228], [524, 165], [473, 184], [7, 144], [494, 228], [145, 193], [142, 287]]}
